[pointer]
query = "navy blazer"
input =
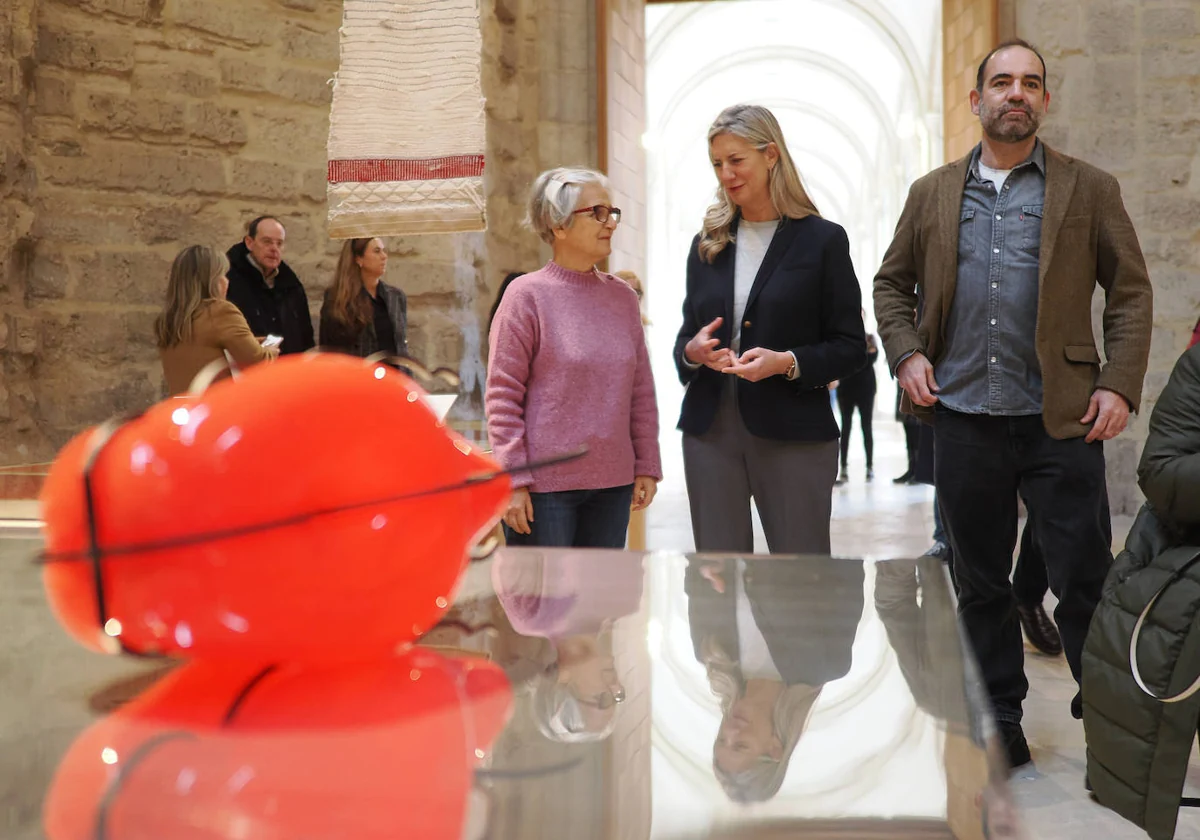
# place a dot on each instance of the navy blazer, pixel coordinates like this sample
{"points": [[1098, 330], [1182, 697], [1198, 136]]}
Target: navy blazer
{"points": [[806, 299]]}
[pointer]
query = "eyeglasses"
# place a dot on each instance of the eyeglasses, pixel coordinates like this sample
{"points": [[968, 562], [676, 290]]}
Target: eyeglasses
{"points": [[605, 700], [601, 213]]}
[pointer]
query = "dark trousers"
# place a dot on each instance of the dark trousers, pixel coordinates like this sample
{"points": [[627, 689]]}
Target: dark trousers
{"points": [[1029, 581], [577, 518], [791, 483], [983, 462], [847, 402]]}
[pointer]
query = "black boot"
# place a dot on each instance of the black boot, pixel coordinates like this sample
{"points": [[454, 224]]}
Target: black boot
{"points": [[1039, 629]]}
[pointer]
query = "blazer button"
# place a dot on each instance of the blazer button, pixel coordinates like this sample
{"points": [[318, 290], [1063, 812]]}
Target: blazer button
{"points": [[745, 323]]}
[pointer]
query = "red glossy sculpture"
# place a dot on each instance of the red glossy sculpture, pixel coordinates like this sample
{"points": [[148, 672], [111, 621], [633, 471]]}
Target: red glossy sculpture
{"points": [[313, 509], [225, 750]]}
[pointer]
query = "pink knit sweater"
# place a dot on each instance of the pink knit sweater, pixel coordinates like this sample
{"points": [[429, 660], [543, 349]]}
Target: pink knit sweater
{"points": [[567, 367]]}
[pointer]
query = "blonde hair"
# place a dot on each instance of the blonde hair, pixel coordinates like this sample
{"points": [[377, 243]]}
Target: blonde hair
{"points": [[195, 275], [634, 282], [789, 718], [758, 127], [553, 198]]}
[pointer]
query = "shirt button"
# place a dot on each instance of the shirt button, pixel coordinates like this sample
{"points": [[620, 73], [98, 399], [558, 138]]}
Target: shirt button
{"points": [[993, 360], [994, 285], [993, 322], [995, 250], [998, 218]]}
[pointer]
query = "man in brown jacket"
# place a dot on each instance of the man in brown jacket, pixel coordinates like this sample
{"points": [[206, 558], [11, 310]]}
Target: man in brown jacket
{"points": [[1002, 251]]}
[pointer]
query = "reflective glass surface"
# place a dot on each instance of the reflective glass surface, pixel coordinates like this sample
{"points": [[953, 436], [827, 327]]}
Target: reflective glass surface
{"points": [[593, 694]]}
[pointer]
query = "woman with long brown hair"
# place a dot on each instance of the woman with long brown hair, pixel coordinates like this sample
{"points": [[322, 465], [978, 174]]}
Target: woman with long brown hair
{"points": [[197, 325], [361, 314]]}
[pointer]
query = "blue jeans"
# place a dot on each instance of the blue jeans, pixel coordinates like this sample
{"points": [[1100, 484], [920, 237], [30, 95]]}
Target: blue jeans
{"points": [[577, 519]]}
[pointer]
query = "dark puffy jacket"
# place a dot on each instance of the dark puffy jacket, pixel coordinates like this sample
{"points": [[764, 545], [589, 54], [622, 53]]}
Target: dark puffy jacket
{"points": [[1138, 746]]}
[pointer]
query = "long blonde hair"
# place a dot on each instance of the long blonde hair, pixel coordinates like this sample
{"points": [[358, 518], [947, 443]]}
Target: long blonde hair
{"points": [[195, 276], [347, 305], [758, 127], [789, 719]]}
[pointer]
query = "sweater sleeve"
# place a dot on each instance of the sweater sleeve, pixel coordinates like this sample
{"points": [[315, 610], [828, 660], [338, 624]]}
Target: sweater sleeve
{"points": [[234, 336], [643, 415], [512, 345]]}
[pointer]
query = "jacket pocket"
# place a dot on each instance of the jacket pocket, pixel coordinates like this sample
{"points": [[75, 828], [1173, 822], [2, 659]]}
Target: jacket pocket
{"points": [[966, 232], [1082, 353], [1031, 227]]}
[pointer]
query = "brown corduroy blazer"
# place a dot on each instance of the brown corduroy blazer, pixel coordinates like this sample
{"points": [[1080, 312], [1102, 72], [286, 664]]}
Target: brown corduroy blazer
{"points": [[217, 327], [1087, 240]]}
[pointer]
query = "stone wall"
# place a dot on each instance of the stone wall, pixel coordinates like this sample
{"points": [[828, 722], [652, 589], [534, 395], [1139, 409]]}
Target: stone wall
{"points": [[625, 117], [130, 128], [18, 26], [1123, 80], [968, 32]]}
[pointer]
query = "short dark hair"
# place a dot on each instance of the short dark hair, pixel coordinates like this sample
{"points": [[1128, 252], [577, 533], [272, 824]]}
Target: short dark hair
{"points": [[252, 228], [1015, 42]]}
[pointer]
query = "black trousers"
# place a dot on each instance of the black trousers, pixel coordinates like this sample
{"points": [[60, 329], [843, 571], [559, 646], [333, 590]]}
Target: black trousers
{"points": [[983, 462], [1029, 580], [864, 401]]}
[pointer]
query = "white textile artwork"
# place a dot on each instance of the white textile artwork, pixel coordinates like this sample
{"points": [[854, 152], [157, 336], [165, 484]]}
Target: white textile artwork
{"points": [[406, 127]]}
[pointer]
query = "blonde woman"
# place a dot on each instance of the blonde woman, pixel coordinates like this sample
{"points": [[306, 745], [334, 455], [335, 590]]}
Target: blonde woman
{"points": [[568, 369], [752, 626], [197, 325], [771, 316], [361, 314]]}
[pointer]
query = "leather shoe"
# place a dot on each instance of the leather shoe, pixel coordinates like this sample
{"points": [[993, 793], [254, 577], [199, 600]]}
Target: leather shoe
{"points": [[904, 479], [939, 550], [1012, 738], [1039, 629]]}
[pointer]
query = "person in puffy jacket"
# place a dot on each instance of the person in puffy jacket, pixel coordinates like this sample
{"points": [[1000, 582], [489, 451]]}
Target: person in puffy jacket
{"points": [[1137, 745]]}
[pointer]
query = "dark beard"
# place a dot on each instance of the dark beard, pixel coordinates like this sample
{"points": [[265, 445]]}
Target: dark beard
{"points": [[1002, 131]]}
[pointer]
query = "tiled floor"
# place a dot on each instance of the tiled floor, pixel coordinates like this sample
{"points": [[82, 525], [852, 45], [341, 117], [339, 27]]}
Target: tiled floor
{"points": [[884, 520]]}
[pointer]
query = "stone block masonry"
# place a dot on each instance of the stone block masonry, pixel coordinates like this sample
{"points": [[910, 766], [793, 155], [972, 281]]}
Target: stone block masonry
{"points": [[132, 128]]}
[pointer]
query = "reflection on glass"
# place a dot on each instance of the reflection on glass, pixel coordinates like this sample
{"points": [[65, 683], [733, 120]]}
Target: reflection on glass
{"points": [[763, 661], [572, 601]]}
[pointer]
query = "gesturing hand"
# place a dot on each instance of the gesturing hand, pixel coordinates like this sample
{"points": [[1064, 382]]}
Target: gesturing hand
{"points": [[1110, 412], [916, 378], [759, 363], [703, 350]]}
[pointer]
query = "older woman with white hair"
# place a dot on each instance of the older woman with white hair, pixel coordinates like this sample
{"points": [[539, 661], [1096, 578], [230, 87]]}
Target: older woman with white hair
{"points": [[772, 315], [568, 369]]}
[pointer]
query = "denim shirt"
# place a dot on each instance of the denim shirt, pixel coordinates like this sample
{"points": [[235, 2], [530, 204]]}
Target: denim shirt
{"points": [[990, 363]]}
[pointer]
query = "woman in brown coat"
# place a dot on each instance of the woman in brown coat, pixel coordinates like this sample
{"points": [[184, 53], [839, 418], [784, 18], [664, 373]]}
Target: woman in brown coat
{"points": [[197, 325]]}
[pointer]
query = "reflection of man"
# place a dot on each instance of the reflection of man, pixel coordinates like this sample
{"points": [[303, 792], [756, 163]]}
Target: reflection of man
{"points": [[1005, 248], [769, 634], [266, 289]]}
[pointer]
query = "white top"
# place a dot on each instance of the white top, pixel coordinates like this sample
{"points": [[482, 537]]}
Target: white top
{"points": [[753, 654], [996, 176], [753, 239]]}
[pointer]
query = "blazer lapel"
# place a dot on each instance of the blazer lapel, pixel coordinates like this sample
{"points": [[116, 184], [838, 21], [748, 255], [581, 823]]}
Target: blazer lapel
{"points": [[949, 218], [784, 236], [723, 267], [1060, 185]]}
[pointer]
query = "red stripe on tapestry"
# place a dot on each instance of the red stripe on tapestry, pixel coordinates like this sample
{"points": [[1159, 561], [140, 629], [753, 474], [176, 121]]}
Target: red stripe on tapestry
{"points": [[372, 170]]}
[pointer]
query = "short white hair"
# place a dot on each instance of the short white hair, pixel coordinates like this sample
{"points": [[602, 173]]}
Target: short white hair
{"points": [[554, 196]]}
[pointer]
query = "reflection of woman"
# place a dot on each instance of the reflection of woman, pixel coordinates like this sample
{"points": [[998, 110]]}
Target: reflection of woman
{"points": [[568, 367], [771, 316], [572, 600], [361, 314], [769, 634], [197, 325]]}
